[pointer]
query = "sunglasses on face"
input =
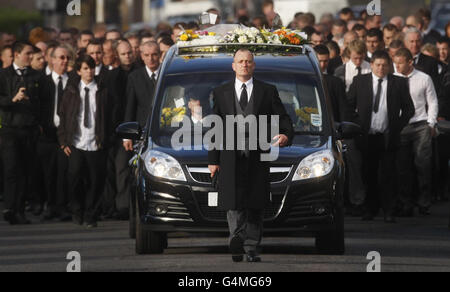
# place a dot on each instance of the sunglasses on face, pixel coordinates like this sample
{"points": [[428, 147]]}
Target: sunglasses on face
{"points": [[63, 58]]}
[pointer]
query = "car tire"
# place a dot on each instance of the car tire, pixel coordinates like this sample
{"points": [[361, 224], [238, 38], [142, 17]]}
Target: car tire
{"points": [[148, 242], [132, 221], [332, 242]]}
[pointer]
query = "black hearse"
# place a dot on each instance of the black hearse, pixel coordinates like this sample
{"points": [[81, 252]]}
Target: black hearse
{"points": [[172, 189]]}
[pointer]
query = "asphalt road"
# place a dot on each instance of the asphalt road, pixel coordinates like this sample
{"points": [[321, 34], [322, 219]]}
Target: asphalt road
{"points": [[413, 244]]}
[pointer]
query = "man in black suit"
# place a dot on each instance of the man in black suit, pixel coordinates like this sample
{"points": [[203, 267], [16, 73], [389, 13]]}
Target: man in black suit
{"points": [[19, 113], [384, 107], [53, 161], [244, 186], [140, 88], [141, 85], [430, 36], [374, 42], [95, 50], [444, 140], [347, 72], [117, 85], [424, 63], [84, 133], [335, 86]]}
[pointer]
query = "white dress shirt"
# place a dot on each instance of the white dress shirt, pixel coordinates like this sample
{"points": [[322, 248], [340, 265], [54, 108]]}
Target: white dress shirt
{"points": [[150, 73], [424, 95], [48, 71], [380, 120], [55, 78], [98, 69], [17, 69], [416, 59], [238, 87], [351, 71], [85, 139]]}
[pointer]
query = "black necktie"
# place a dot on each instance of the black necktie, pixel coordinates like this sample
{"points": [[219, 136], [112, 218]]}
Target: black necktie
{"points": [[86, 107], [378, 96], [359, 70], [60, 92], [244, 97], [22, 72], [153, 77], [22, 76]]}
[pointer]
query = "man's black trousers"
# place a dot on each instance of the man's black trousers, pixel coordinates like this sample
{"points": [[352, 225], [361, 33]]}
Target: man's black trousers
{"points": [[86, 167], [54, 163], [18, 152], [379, 175]]}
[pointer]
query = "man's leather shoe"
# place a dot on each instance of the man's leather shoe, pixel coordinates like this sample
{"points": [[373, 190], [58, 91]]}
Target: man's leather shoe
{"points": [[122, 215], [38, 210], [20, 219], [425, 211], [253, 258], [49, 215], [367, 217], [407, 213], [8, 215], [91, 225], [389, 219], [77, 220], [65, 217], [237, 249], [357, 211]]}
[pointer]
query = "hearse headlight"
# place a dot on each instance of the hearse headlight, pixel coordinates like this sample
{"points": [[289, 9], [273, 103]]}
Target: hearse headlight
{"points": [[315, 165], [162, 165]]}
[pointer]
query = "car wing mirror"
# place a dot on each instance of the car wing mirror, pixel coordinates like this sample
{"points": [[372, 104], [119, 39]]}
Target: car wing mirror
{"points": [[131, 131], [348, 130], [443, 127]]}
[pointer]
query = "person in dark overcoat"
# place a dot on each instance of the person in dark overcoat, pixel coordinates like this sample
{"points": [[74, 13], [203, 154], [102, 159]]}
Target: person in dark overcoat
{"points": [[243, 184]]}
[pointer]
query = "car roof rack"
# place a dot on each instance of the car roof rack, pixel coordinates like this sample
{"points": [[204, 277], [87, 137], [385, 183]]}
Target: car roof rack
{"points": [[257, 48]]}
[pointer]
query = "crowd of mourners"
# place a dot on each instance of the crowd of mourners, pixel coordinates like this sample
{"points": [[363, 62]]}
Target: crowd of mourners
{"points": [[63, 93]]}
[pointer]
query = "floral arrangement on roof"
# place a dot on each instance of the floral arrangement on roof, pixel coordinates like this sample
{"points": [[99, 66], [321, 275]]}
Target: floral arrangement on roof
{"points": [[199, 38], [291, 37], [241, 36]]}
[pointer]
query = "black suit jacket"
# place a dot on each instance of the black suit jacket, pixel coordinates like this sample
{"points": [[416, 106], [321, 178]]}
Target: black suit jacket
{"points": [[47, 109], [334, 64], [117, 87], [70, 109], [266, 101], [430, 66], [399, 105], [444, 98], [338, 98], [24, 113], [432, 37], [140, 90], [102, 77]]}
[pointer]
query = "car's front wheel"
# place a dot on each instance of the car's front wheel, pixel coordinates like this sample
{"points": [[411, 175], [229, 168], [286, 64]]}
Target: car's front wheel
{"points": [[132, 221], [148, 242], [332, 242]]}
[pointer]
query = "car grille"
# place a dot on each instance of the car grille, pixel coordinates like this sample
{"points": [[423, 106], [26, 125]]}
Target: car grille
{"points": [[304, 207], [214, 214], [277, 174]]}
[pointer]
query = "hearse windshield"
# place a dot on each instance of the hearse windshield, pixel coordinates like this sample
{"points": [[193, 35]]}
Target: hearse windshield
{"points": [[191, 96]]}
